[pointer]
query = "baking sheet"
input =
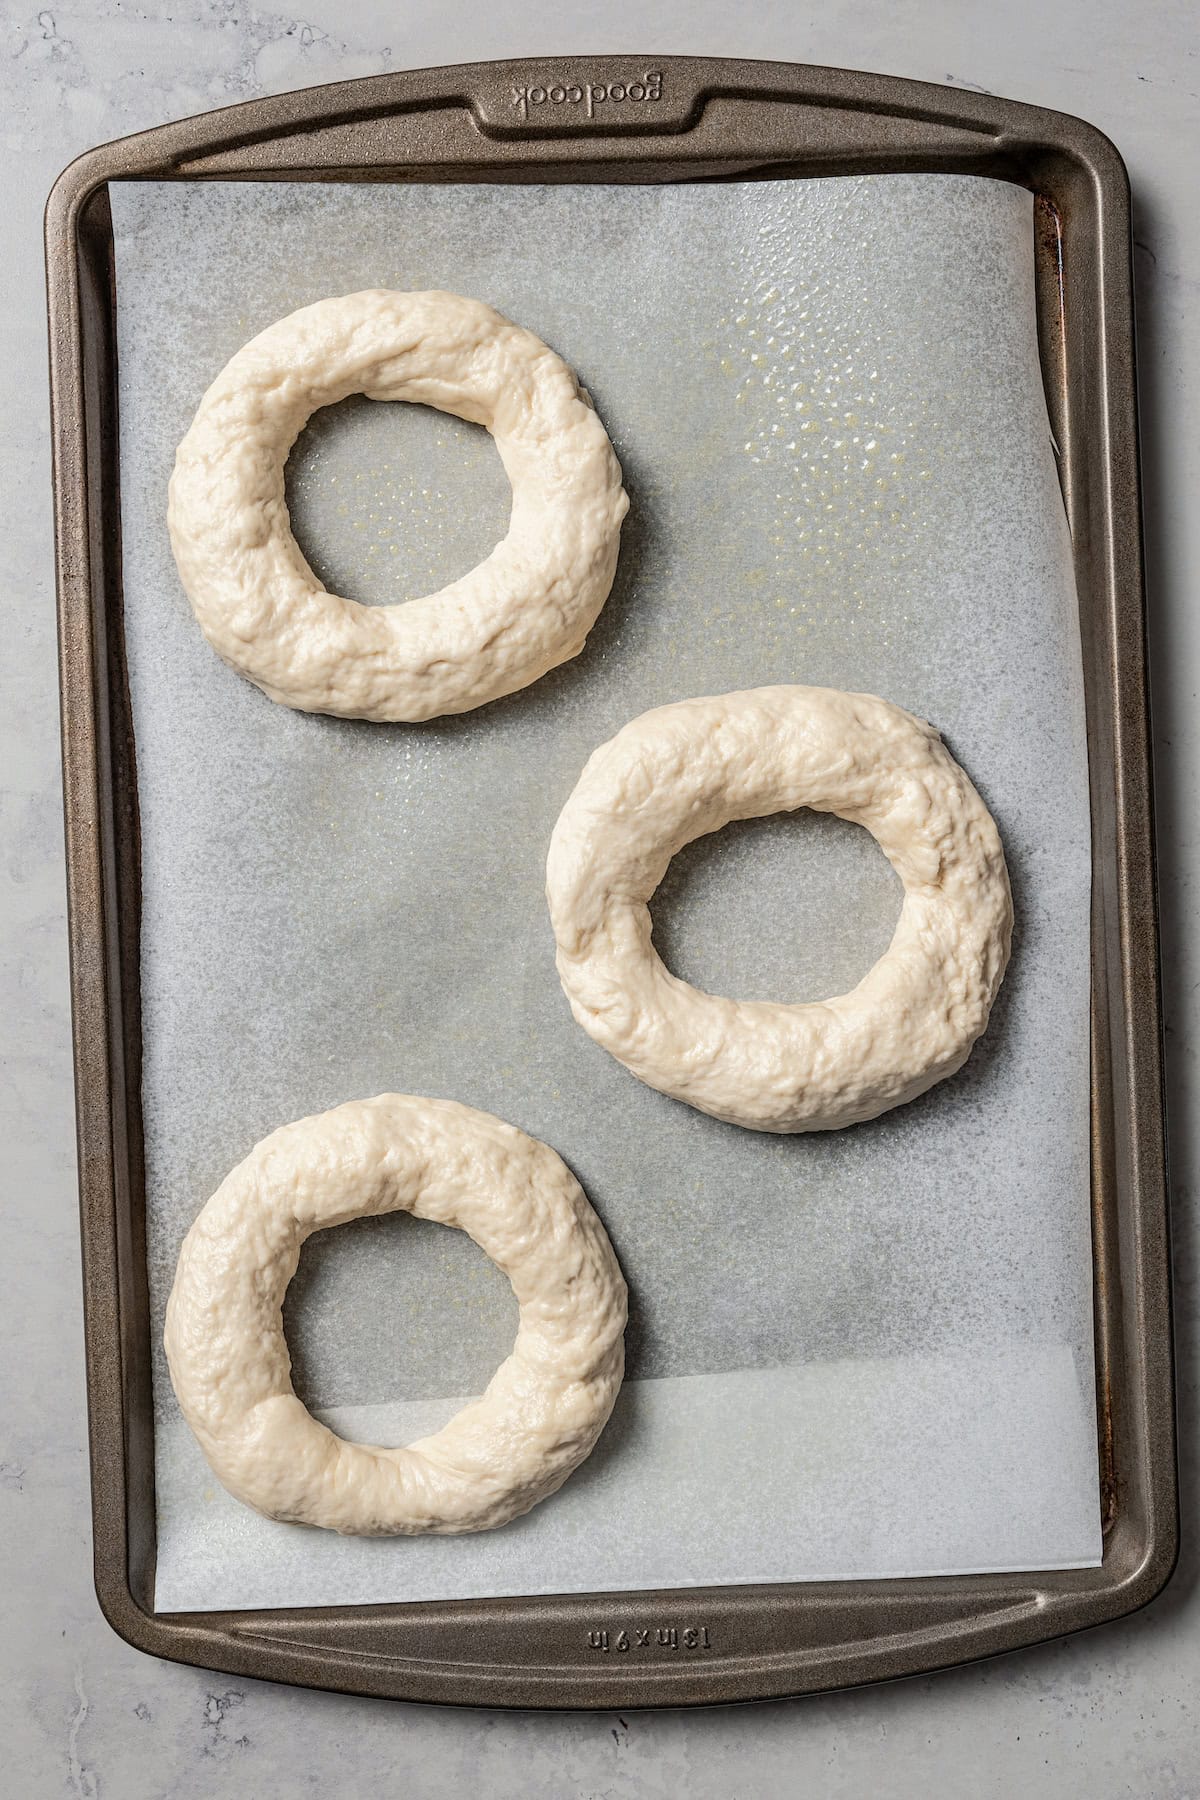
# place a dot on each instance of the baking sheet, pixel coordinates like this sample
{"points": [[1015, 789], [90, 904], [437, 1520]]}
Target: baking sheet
{"points": [[865, 1353]]}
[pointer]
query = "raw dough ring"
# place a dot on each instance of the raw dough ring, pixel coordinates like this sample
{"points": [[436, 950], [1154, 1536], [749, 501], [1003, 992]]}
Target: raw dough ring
{"points": [[545, 1406], [683, 770], [525, 609]]}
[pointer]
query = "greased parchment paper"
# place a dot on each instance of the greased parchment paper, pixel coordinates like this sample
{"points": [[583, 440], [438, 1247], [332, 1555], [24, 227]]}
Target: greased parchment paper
{"points": [[864, 1353]]}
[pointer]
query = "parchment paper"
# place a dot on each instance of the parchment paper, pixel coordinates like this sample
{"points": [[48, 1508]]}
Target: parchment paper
{"points": [[854, 1354]]}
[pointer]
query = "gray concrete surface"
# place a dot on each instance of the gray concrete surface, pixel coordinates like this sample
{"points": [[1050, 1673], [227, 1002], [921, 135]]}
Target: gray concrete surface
{"points": [[1110, 1714]]}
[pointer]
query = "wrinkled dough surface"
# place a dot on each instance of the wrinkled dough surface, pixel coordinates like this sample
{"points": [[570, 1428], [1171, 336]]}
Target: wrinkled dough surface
{"points": [[689, 768], [526, 608], [544, 1408]]}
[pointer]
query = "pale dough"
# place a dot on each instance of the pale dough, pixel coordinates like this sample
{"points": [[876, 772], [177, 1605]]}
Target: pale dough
{"points": [[528, 607], [544, 1408], [689, 768]]}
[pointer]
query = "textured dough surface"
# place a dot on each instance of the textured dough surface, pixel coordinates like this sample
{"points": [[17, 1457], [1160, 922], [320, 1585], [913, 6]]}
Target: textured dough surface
{"points": [[526, 608], [544, 1408], [689, 768]]}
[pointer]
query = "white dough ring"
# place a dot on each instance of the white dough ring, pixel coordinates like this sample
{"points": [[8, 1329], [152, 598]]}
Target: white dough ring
{"points": [[525, 609], [683, 770], [545, 1406]]}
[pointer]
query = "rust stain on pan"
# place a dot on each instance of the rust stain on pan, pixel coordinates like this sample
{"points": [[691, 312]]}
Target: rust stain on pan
{"points": [[1108, 1467]]}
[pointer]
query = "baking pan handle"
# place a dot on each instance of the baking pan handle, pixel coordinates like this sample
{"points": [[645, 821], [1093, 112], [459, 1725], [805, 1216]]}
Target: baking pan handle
{"points": [[642, 118], [589, 94]]}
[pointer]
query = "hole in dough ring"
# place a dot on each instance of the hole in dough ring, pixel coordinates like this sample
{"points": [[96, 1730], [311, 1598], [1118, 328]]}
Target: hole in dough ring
{"points": [[526, 608], [545, 1406], [692, 767]]}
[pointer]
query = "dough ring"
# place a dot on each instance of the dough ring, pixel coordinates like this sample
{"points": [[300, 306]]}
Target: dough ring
{"points": [[545, 1406], [683, 770], [525, 609]]}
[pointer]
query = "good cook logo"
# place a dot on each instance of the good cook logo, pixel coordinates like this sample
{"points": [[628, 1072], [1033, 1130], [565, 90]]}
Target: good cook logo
{"points": [[590, 95]]}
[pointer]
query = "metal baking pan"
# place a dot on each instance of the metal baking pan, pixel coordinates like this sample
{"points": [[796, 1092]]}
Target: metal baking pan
{"points": [[631, 120]]}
